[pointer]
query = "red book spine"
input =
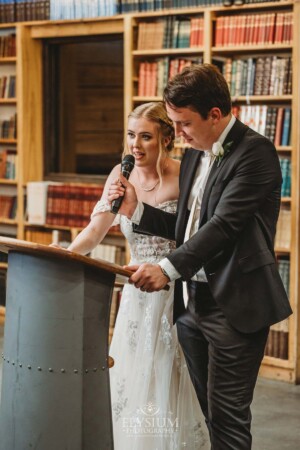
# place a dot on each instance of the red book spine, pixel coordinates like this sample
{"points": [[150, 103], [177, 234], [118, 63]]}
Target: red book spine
{"points": [[279, 123]]}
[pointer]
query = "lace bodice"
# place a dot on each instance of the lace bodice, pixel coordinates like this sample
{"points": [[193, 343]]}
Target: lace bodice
{"points": [[144, 248]]}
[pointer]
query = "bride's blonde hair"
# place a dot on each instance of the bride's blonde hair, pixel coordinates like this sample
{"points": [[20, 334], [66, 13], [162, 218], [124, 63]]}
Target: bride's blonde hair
{"points": [[157, 113]]}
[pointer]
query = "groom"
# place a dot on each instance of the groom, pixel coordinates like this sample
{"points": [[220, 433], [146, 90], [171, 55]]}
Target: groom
{"points": [[224, 228]]}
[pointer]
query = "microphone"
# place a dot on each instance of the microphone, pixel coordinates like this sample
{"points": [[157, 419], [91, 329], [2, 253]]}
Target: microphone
{"points": [[126, 168]]}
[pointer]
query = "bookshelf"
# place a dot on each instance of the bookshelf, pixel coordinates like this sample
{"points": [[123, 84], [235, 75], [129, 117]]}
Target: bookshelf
{"points": [[283, 364], [9, 150], [31, 37], [8, 140]]}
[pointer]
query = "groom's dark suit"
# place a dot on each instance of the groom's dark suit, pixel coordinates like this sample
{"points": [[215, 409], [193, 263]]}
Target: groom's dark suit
{"points": [[234, 244]]}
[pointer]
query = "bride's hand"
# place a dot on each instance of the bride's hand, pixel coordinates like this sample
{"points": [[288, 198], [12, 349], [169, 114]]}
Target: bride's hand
{"points": [[119, 188], [59, 247]]}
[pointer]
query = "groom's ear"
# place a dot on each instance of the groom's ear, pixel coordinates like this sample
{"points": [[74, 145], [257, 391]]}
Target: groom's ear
{"points": [[215, 114]]}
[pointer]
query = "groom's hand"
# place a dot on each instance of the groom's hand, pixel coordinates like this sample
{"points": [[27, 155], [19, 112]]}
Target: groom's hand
{"points": [[148, 277], [122, 188]]}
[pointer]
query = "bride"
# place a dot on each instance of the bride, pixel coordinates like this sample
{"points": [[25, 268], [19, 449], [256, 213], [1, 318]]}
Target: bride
{"points": [[154, 405]]}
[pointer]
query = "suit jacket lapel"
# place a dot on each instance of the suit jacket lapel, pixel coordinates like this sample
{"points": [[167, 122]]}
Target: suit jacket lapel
{"points": [[235, 135]]}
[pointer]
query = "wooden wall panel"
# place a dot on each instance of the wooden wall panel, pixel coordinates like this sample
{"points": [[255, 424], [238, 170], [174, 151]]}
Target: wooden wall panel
{"points": [[91, 104]]}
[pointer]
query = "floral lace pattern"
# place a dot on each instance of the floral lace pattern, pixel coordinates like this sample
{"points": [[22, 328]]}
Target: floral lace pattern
{"points": [[103, 206], [121, 402], [145, 248], [132, 334], [165, 331]]}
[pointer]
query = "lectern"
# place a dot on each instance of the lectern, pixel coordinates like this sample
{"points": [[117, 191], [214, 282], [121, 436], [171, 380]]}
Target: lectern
{"points": [[55, 384]]}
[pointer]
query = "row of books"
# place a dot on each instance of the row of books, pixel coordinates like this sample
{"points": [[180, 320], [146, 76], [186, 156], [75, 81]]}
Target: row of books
{"points": [[44, 237], [285, 165], [61, 204], [8, 162], [170, 32], [7, 45], [8, 128], [153, 76], [158, 5], [2, 292], [254, 29], [24, 10], [283, 230], [8, 86], [277, 343], [264, 75], [274, 122], [3, 257], [8, 206], [284, 272], [110, 253], [79, 9]]}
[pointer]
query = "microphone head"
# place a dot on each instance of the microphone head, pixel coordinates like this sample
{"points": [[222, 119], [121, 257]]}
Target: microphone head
{"points": [[128, 159], [127, 163]]}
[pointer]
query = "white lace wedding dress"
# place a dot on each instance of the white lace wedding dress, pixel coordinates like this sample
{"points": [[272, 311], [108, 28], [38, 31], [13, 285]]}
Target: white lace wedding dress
{"points": [[154, 404]]}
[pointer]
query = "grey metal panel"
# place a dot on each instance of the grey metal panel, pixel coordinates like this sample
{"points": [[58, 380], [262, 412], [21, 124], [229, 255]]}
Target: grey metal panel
{"points": [[55, 388]]}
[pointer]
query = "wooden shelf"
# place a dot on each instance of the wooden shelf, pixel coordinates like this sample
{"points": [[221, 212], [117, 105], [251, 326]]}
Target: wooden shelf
{"points": [[169, 51], [147, 99], [198, 10], [275, 48], [282, 148], [286, 199], [262, 98], [282, 251], [8, 59], [2, 315], [4, 221], [8, 101], [242, 98], [8, 181], [8, 141], [66, 228], [3, 265]]}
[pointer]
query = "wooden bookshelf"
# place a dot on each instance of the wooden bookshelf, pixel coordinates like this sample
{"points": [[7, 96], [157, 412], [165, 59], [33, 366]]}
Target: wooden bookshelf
{"points": [[30, 41], [276, 368], [8, 186]]}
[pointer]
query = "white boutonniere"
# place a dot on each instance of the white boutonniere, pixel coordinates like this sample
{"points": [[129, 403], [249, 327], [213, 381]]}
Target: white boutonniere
{"points": [[220, 152]]}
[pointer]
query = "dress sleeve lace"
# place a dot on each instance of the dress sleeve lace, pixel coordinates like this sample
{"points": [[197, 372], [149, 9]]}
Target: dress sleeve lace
{"points": [[102, 206]]}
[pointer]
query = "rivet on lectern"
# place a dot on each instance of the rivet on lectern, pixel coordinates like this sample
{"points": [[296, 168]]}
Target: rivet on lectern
{"points": [[111, 362]]}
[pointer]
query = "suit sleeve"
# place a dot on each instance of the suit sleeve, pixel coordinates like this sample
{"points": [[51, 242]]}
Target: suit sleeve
{"points": [[156, 222], [254, 180]]}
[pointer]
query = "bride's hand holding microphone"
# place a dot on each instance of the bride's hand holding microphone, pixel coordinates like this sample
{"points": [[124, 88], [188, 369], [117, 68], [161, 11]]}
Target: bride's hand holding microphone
{"points": [[123, 189]]}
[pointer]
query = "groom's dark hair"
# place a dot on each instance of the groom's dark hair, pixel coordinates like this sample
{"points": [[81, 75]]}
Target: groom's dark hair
{"points": [[199, 87]]}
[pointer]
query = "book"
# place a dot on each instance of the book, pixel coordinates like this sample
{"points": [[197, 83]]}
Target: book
{"points": [[285, 165], [283, 230], [8, 206], [286, 127], [37, 192], [279, 124]]}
